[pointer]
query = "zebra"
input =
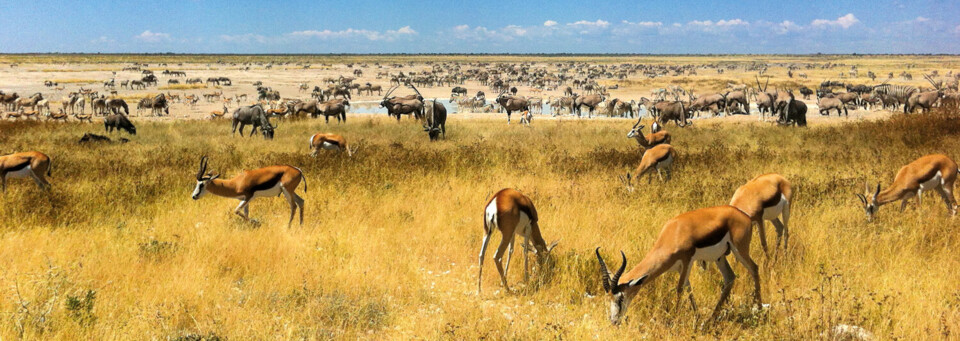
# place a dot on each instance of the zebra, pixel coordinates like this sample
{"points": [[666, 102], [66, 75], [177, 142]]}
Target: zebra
{"points": [[898, 92]]}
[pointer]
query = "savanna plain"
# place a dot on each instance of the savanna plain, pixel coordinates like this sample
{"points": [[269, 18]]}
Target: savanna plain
{"points": [[117, 249]]}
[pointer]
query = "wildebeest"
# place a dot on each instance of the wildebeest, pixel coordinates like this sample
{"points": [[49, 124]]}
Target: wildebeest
{"points": [[458, 91], [791, 110], [253, 115], [436, 119], [88, 138], [119, 122], [115, 104]]}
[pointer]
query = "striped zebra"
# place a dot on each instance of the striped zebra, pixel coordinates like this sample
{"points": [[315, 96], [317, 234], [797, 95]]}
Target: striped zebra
{"points": [[901, 93]]}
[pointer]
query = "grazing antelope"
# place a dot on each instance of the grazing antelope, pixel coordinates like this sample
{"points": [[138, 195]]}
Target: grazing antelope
{"points": [[61, 116], [329, 141], [81, 117], [766, 197], [14, 114], [30, 114], [932, 172], [27, 164], [650, 140], [707, 234], [660, 157], [263, 182], [512, 213]]}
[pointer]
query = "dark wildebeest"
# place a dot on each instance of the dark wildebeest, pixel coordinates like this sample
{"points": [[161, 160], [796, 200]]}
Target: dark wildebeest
{"points": [[253, 115], [458, 91], [436, 119], [118, 122], [791, 110]]}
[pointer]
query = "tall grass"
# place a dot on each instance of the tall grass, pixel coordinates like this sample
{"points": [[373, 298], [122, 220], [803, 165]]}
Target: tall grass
{"points": [[118, 250]]}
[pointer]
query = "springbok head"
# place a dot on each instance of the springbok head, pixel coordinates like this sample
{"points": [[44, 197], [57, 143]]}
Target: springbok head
{"points": [[620, 295], [637, 130], [869, 201], [203, 179]]}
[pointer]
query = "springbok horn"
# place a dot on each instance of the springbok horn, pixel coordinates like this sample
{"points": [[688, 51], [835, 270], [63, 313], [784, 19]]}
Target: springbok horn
{"points": [[623, 266], [604, 273]]}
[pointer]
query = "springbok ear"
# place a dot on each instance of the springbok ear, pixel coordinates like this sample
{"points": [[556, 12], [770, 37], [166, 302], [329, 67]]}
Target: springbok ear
{"points": [[552, 245], [877, 192], [637, 281], [214, 176]]}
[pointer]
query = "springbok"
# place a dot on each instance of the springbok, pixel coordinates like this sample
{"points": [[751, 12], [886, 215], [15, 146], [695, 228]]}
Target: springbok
{"points": [[512, 213], [766, 197], [931, 172], [707, 234], [268, 181], [658, 158], [329, 141], [27, 164], [650, 140]]}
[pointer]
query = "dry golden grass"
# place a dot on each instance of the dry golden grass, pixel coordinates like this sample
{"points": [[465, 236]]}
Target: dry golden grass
{"points": [[118, 250]]}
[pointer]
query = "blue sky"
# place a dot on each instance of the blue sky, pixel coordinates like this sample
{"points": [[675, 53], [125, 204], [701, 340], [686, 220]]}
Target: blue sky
{"points": [[427, 26]]}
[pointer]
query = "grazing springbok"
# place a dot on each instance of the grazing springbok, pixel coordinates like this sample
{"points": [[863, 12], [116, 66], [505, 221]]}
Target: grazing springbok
{"points": [[650, 140], [931, 172], [329, 141], [262, 182], [658, 158], [766, 197], [27, 164], [512, 213], [707, 234]]}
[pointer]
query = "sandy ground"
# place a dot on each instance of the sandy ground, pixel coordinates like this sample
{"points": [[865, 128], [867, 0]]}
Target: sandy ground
{"points": [[29, 78]]}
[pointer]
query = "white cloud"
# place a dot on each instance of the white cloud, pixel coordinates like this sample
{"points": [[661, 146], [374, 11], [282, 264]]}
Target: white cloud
{"points": [[921, 19], [389, 35], [152, 37], [732, 22], [514, 30], [583, 23], [549, 23], [643, 23], [845, 22], [103, 40], [244, 38]]}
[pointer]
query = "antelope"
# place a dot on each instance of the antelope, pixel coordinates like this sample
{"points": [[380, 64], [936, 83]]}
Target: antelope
{"points": [[526, 117], [30, 114], [512, 213], [14, 114], [650, 140], [329, 141], [931, 172], [268, 181], [62, 116], [81, 117], [217, 114], [27, 164], [766, 197], [707, 234], [659, 157]]}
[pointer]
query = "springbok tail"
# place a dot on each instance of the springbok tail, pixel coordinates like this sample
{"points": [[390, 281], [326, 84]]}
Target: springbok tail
{"points": [[302, 177], [50, 168]]}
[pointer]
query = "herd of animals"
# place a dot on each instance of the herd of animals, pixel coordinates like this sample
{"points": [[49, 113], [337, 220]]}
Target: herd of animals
{"points": [[702, 235]]}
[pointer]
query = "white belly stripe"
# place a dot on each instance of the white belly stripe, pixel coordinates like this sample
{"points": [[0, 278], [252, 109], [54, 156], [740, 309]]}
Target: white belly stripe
{"points": [[772, 212], [934, 182], [713, 252], [22, 173]]}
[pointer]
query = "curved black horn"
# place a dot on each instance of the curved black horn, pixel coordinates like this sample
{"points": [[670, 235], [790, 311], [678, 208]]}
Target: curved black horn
{"points": [[623, 266], [604, 273], [203, 167]]}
